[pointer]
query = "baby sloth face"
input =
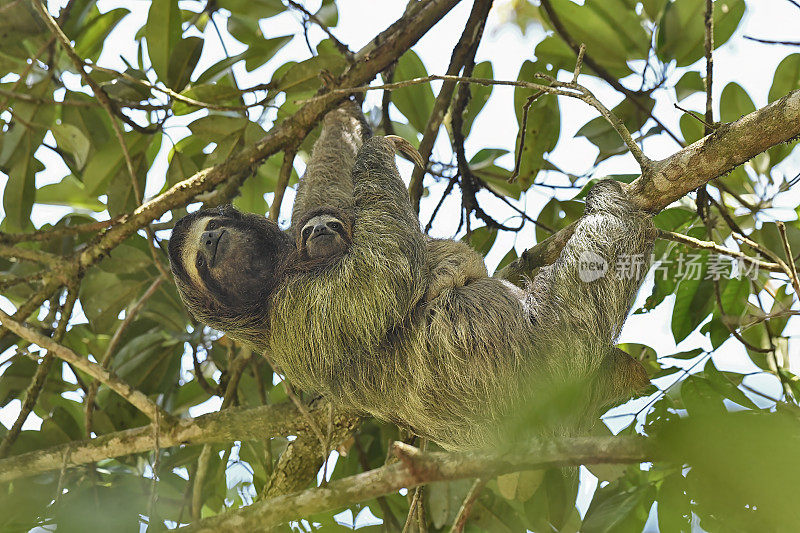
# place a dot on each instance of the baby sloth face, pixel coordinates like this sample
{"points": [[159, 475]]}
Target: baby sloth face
{"points": [[324, 236]]}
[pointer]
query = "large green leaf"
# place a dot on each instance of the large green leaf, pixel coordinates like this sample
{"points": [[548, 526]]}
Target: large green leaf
{"points": [[786, 78], [611, 31], [415, 101], [69, 191], [542, 127], [163, 32], [734, 103], [183, 59], [681, 30], [91, 39]]}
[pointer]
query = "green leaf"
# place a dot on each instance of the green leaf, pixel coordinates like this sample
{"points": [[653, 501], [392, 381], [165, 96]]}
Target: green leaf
{"points": [[150, 362], [70, 192], [786, 78], [689, 84], [163, 32], [734, 296], [734, 103], [689, 354], [681, 31], [328, 13], [104, 295], [259, 9], [615, 510], [673, 218], [72, 140], [691, 128], [541, 130], [693, 303], [182, 61], [414, 101], [263, 50], [674, 512], [108, 160], [481, 239], [611, 31], [727, 384], [602, 134], [92, 36], [20, 189], [699, 397], [214, 93], [479, 95]]}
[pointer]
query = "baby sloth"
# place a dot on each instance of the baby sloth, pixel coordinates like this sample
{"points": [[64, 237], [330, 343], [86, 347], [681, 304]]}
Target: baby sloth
{"points": [[325, 235]]}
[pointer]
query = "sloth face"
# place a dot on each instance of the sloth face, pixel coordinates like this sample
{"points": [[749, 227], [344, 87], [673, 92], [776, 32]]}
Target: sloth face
{"points": [[324, 236], [227, 255]]}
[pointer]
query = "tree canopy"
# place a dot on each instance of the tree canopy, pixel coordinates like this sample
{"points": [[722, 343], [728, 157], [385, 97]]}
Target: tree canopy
{"points": [[104, 375]]}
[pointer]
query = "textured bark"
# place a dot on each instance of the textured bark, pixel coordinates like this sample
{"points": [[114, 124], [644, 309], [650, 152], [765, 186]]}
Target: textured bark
{"points": [[224, 426], [416, 468]]}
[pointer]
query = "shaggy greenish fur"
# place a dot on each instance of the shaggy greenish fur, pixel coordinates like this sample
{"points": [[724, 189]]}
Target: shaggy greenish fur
{"points": [[414, 331]]}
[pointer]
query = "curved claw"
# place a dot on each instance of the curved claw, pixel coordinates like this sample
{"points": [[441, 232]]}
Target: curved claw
{"points": [[402, 145]]}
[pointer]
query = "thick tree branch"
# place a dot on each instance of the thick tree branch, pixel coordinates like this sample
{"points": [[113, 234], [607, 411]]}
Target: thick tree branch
{"points": [[416, 468], [224, 426], [670, 179]]}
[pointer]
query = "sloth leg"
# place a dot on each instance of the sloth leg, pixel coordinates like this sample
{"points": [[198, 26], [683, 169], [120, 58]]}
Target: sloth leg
{"points": [[581, 301], [327, 181]]}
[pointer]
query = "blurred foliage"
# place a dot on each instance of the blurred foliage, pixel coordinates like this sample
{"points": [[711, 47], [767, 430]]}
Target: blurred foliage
{"points": [[740, 468]]}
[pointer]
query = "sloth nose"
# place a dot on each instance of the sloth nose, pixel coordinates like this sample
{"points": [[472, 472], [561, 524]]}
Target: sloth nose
{"points": [[211, 238], [321, 229], [208, 243]]}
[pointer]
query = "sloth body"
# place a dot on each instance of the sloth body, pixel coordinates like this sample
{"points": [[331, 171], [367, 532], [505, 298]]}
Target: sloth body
{"points": [[409, 329]]}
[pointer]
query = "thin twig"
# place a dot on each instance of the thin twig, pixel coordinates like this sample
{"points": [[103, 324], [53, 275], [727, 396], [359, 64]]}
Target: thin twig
{"points": [[56, 232], [554, 87], [771, 41], [466, 506], [464, 49], [633, 96], [105, 361], [98, 91], [708, 19], [790, 258], [40, 376], [695, 115], [313, 18], [712, 246]]}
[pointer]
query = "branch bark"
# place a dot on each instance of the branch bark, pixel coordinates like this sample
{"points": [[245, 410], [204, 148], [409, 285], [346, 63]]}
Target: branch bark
{"points": [[416, 468], [672, 178], [112, 381], [224, 426]]}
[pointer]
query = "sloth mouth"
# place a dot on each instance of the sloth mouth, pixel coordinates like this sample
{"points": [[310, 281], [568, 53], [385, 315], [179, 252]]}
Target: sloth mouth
{"points": [[324, 233]]}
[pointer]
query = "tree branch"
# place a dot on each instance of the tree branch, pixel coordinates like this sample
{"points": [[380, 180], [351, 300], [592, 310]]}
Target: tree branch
{"points": [[473, 30], [136, 398], [223, 426], [670, 179], [416, 468]]}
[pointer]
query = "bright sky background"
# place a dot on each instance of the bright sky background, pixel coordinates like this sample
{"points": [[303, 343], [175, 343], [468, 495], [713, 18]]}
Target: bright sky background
{"points": [[748, 63]]}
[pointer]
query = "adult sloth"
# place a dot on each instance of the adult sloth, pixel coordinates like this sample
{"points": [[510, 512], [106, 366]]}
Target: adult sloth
{"points": [[452, 365]]}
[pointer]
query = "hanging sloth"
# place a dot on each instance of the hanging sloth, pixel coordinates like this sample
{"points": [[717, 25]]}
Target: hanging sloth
{"points": [[355, 303]]}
